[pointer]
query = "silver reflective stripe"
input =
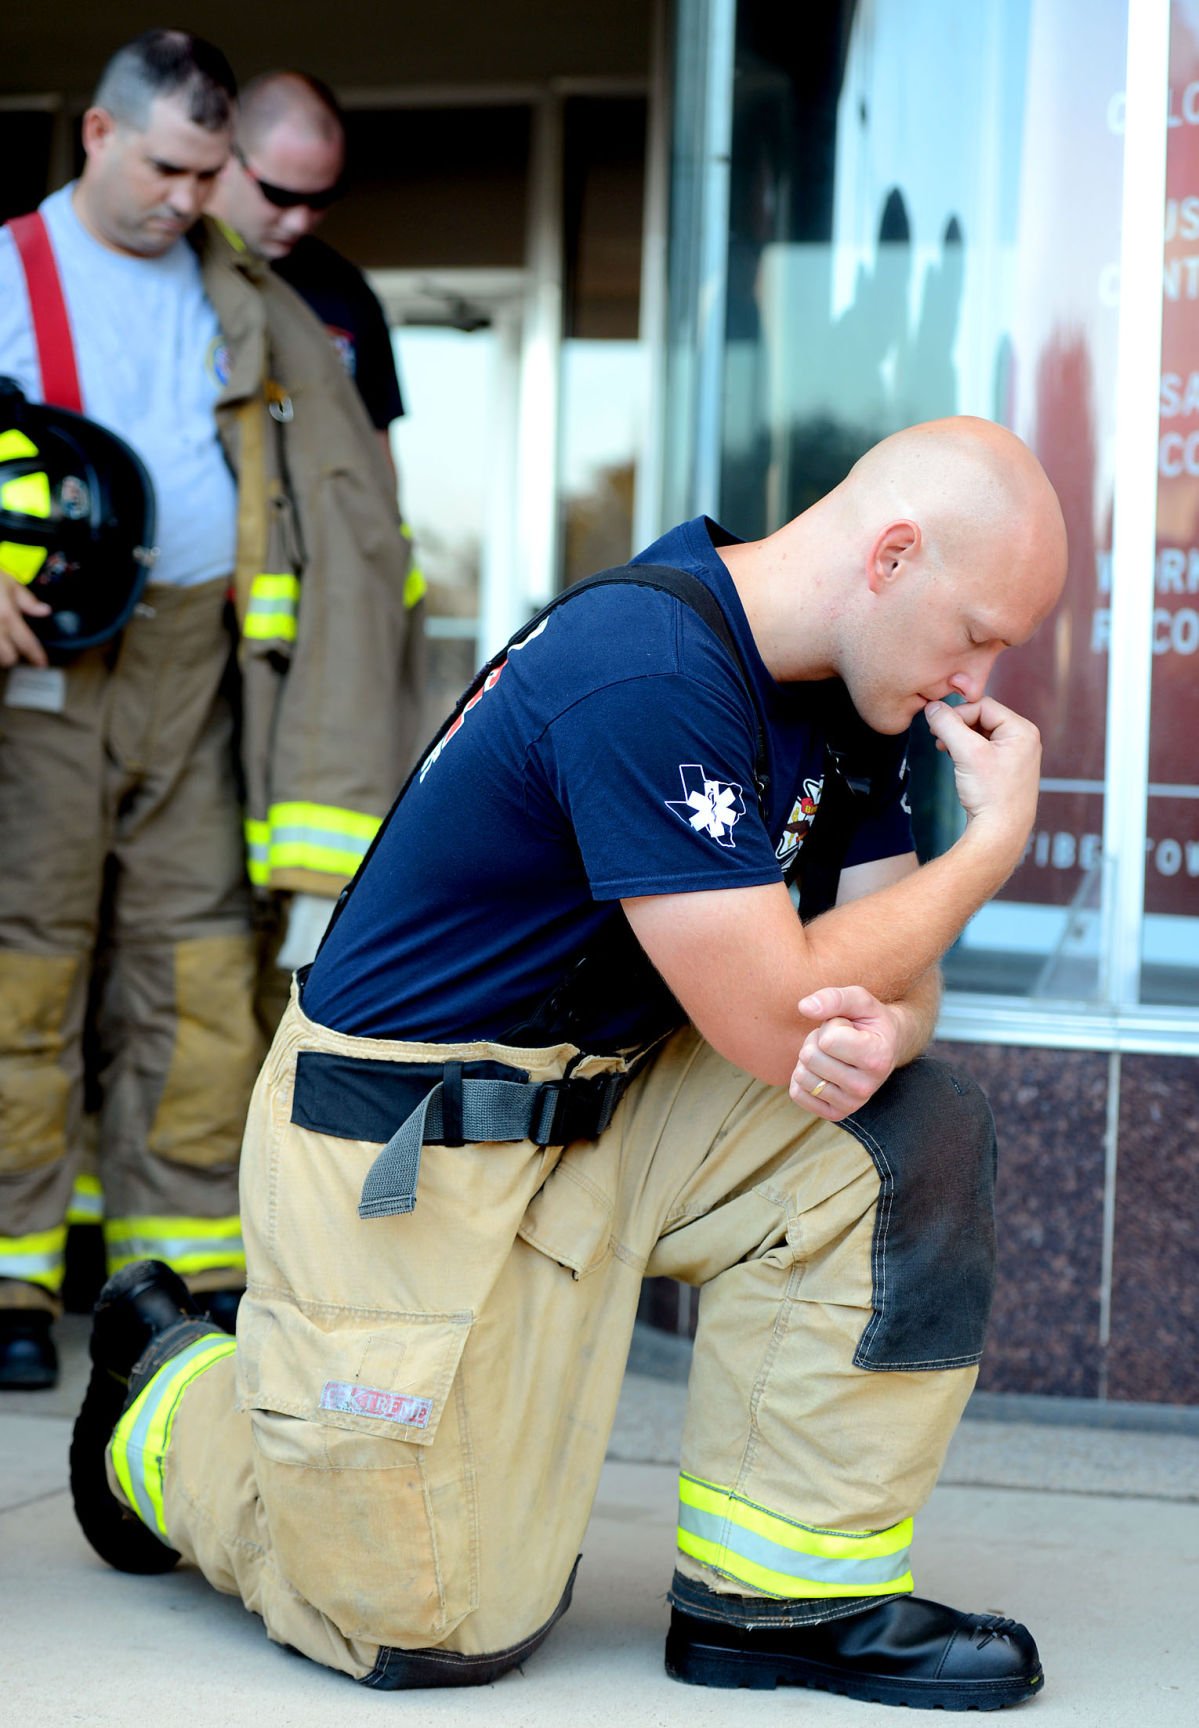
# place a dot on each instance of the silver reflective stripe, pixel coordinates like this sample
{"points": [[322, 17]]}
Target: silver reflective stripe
{"points": [[173, 1248], [710, 1527], [26, 1266], [330, 839], [285, 604], [135, 1443]]}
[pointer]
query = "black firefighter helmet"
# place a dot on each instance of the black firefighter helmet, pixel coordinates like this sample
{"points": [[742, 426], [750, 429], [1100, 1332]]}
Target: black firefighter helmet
{"points": [[76, 519]]}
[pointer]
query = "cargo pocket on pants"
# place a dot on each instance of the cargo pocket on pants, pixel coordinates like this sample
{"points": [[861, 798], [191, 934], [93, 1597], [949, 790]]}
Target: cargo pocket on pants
{"points": [[364, 1467], [569, 1219]]}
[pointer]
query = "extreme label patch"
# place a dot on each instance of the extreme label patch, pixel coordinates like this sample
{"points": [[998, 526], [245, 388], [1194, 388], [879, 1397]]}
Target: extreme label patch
{"points": [[354, 1400]]}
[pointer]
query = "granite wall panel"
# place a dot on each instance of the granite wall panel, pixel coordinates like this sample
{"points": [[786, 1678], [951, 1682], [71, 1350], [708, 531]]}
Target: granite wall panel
{"points": [[1154, 1351], [1050, 1112]]}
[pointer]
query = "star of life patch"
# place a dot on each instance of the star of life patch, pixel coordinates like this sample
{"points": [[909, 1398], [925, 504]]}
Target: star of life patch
{"points": [[355, 1400], [711, 807]]}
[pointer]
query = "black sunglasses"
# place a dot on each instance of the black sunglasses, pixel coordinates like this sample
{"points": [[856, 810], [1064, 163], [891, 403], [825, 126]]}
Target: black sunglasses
{"points": [[285, 199]]}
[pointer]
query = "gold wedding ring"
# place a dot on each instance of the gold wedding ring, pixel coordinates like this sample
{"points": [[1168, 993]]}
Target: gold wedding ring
{"points": [[819, 1088]]}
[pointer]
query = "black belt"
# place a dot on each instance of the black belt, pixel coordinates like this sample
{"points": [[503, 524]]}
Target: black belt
{"points": [[442, 1104]]}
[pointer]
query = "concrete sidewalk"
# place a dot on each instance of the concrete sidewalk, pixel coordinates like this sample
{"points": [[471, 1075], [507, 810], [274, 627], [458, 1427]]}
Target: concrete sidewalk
{"points": [[1090, 1536]]}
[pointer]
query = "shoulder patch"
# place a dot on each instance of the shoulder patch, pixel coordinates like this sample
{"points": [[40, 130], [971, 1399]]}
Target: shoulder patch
{"points": [[711, 807]]}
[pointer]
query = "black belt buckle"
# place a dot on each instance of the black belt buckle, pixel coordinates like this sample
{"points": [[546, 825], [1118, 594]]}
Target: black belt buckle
{"points": [[581, 1110]]}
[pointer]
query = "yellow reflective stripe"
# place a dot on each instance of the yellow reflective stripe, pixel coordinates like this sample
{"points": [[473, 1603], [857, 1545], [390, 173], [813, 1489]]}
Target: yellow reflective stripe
{"points": [[232, 236], [87, 1201], [27, 495], [415, 587], [271, 613], [258, 846], [22, 563], [351, 823], [14, 444], [304, 855], [186, 1244], [285, 587], [301, 836], [781, 1557], [142, 1437], [35, 1259], [319, 837]]}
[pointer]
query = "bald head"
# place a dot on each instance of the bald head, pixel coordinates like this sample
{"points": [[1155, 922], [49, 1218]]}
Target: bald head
{"points": [[294, 99], [966, 484], [943, 546], [287, 163]]}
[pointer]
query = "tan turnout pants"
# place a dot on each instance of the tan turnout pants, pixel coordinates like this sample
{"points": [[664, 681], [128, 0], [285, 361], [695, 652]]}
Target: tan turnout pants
{"points": [[121, 846], [402, 1454]]}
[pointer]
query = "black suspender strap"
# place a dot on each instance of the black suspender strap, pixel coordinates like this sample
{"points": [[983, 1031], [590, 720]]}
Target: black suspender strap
{"points": [[685, 587], [857, 761]]}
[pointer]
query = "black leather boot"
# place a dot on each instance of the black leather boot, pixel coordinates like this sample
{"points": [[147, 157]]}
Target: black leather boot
{"points": [[143, 1317], [899, 1650], [28, 1359], [221, 1307]]}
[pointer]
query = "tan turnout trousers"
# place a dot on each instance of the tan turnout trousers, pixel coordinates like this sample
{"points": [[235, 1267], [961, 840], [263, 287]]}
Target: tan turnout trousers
{"points": [[121, 846], [402, 1454]]}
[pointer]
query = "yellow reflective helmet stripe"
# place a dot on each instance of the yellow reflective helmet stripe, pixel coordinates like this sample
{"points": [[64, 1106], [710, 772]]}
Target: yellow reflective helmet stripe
{"points": [[27, 495], [142, 1436], [273, 606], [14, 445], [87, 1201], [20, 562], [778, 1557], [35, 1259], [187, 1244]]}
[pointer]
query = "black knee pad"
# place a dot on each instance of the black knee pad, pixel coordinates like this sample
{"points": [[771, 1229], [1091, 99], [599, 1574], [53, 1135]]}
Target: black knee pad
{"points": [[406, 1670], [932, 1138]]}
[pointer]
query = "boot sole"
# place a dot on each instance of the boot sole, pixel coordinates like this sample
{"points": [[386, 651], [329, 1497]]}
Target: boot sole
{"points": [[709, 1665], [115, 1534]]}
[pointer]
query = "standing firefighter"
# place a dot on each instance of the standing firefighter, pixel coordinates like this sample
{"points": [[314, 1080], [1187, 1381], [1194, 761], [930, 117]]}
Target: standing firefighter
{"points": [[507, 1090], [127, 838]]}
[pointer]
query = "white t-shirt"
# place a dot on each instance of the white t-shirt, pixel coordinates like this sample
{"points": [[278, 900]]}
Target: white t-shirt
{"points": [[148, 350]]}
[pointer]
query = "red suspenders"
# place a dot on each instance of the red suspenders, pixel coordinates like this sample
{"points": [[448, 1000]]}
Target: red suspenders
{"points": [[51, 326]]}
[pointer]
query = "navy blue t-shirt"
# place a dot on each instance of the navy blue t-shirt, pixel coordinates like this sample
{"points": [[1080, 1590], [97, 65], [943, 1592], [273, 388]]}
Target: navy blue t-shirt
{"points": [[611, 754]]}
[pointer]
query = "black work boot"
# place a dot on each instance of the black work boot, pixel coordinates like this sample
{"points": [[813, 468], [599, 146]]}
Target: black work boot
{"points": [[28, 1359], [143, 1317], [898, 1650], [221, 1307]]}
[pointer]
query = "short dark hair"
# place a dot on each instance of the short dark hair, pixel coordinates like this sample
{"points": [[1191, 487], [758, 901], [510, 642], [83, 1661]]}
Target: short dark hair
{"points": [[168, 63]]}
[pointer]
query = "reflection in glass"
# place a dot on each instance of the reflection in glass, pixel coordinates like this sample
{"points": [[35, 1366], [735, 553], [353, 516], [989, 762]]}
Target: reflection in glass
{"points": [[602, 378], [443, 460], [924, 211], [1170, 953]]}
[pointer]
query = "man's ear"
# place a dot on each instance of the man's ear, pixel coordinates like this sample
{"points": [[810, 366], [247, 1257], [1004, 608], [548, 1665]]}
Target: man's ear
{"points": [[97, 128], [894, 548]]}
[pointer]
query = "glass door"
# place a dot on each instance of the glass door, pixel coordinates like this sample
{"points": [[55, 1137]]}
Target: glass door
{"points": [[456, 335]]}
